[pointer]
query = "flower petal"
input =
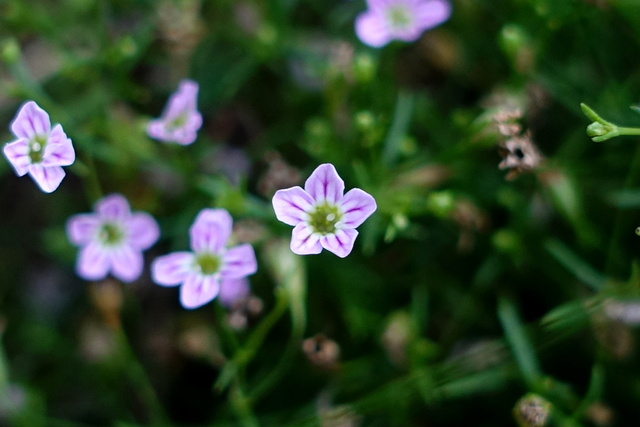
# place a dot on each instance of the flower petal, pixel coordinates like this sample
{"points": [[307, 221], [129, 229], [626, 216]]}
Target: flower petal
{"points": [[17, 153], [198, 290], [211, 230], [31, 121], [304, 241], [324, 183], [172, 269], [48, 178], [371, 28], [113, 207], [142, 230], [93, 263], [59, 149], [126, 263], [357, 205], [291, 205], [81, 228], [239, 261], [432, 13], [232, 291], [341, 242]]}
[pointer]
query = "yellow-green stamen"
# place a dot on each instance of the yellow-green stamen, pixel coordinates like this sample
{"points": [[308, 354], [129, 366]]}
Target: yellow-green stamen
{"points": [[208, 263], [324, 218]]}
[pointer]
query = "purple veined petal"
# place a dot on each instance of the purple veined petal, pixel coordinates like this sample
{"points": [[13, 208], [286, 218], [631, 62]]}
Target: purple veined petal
{"points": [[81, 228], [59, 149], [341, 242], [357, 205], [211, 230], [48, 178], [239, 261], [126, 263], [183, 101], [31, 121], [113, 207], [142, 230], [17, 153], [93, 263], [432, 13], [173, 269], [198, 290], [371, 28], [304, 241], [324, 183], [232, 291], [291, 205]]}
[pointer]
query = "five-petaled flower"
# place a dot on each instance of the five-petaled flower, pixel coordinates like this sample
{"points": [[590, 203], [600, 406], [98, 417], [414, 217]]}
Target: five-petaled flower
{"points": [[39, 150], [210, 265], [112, 239], [406, 20], [321, 215], [180, 119]]}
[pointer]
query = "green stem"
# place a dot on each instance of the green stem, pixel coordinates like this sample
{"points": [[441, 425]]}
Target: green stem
{"points": [[242, 406], [401, 120], [628, 131]]}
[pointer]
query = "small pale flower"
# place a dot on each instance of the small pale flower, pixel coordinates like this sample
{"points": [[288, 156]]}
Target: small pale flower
{"points": [[210, 266], [180, 120], [112, 239], [322, 215], [39, 150], [406, 20]]}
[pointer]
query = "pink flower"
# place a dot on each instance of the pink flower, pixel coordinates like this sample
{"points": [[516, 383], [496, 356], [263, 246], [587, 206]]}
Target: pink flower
{"points": [[180, 119], [209, 265], [39, 150], [406, 20], [321, 215], [112, 239]]}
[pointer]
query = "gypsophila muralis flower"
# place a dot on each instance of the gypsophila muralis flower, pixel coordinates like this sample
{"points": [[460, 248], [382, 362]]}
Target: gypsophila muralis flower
{"points": [[112, 239], [39, 150], [180, 120], [406, 20], [321, 215], [209, 265]]}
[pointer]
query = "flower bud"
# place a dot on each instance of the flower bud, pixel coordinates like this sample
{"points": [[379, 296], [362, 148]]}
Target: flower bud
{"points": [[532, 411]]}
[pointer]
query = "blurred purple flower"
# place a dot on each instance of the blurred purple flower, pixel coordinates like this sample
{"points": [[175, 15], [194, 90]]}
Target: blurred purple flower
{"points": [[39, 150], [112, 239], [321, 215], [406, 20], [180, 119], [210, 265], [232, 291]]}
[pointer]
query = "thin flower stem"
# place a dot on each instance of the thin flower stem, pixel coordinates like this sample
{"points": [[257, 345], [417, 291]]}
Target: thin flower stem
{"points": [[242, 406], [401, 120], [628, 131]]}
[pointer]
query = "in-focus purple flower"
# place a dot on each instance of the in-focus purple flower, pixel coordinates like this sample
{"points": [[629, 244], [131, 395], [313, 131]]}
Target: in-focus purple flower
{"points": [[180, 119], [321, 215], [39, 150], [112, 239], [406, 20], [210, 265]]}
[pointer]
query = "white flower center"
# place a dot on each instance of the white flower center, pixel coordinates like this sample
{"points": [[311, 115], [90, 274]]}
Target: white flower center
{"points": [[36, 146]]}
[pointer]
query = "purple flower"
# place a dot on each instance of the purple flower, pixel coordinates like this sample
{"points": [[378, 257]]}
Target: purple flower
{"points": [[210, 265], [405, 20], [321, 215], [39, 150], [112, 239], [232, 291], [180, 119]]}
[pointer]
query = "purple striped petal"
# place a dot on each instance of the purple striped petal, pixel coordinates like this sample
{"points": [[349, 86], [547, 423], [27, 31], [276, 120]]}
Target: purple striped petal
{"points": [[142, 230], [211, 230], [126, 263], [113, 207], [31, 121], [17, 153], [303, 241], [341, 242], [198, 290], [291, 205], [173, 269], [48, 178], [81, 228], [59, 149], [239, 261], [357, 206], [324, 183], [93, 263]]}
